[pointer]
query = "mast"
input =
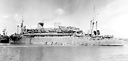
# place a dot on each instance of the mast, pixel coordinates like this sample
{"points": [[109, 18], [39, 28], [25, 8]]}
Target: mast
{"points": [[96, 25], [91, 26], [22, 22], [4, 32], [92, 22], [22, 26], [17, 29]]}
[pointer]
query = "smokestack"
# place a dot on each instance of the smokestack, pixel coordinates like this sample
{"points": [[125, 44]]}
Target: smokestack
{"points": [[40, 25]]}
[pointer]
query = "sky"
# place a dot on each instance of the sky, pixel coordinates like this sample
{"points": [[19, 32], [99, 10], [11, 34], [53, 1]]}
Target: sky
{"points": [[110, 14]]}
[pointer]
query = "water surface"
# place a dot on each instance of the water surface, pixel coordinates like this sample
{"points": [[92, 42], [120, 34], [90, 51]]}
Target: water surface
{"points": [[63, 53]]}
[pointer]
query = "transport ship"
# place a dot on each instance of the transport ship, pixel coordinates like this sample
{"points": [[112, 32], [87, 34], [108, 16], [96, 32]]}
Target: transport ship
{"points": [[67, 36]]}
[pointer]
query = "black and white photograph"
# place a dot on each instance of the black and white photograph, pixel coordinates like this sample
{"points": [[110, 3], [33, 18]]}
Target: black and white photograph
{"points": [[63, 30]]}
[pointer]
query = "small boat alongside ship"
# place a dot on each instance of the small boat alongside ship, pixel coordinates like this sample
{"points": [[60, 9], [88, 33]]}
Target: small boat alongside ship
{"points": [[4, 38]]}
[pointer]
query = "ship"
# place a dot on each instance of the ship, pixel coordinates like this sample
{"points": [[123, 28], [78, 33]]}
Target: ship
{"points": [[67, 36]]}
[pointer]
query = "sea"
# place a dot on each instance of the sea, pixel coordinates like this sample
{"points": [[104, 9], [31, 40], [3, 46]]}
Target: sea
{"points": [[63, 53]]}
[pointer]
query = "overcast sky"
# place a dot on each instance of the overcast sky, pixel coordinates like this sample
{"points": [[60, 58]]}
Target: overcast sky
{"points": [[111, 14]]}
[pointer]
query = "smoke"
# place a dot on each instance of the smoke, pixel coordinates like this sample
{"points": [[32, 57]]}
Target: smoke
{"points": [[59, 11], [70, 6]]}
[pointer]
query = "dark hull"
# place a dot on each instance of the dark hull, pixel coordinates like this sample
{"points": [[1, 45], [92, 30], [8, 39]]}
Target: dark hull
{"points": [[4, 41]]}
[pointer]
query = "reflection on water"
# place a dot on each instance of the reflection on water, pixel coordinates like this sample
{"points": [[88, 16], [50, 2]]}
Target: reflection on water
{"points": [[63, 53]]}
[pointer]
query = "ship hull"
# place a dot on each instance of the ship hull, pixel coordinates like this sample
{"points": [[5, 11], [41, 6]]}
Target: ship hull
{"points": [[66, 41]]}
